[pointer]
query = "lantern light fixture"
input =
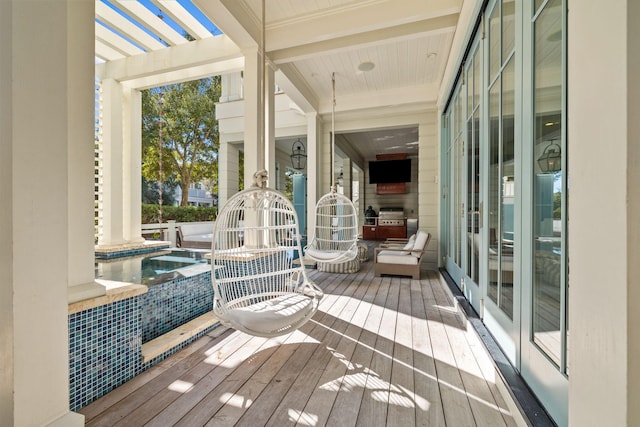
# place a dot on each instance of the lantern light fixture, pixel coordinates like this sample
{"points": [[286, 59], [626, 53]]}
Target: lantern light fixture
{"points": [[551, 158], [298, 155]]}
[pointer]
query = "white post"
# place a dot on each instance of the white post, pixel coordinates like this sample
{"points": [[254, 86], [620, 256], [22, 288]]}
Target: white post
{"points": [[46, 95], [228, 159], [113, 164], [132, 166], [312, 170]]}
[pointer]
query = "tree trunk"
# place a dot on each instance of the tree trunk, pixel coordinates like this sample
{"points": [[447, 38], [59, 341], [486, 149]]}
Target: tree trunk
{"points": [[184, 185]]}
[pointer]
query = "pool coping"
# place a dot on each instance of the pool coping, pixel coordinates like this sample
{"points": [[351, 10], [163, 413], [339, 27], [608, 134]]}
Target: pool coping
{"points": [[115, 291]]}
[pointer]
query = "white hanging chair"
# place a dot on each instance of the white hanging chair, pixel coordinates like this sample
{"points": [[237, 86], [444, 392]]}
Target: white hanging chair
{"points": [[257, 287], [335, 237]]}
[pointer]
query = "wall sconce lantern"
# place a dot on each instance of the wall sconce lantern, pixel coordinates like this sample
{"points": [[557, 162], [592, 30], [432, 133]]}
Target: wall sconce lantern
{"points": [[298, 155], [551, 158], [341, 178]]}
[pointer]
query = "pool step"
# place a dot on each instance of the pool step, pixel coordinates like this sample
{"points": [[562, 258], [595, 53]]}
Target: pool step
{"points": [[158, 346]]}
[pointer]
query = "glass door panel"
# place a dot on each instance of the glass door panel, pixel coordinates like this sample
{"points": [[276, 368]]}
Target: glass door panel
{"points": [[548, 279]]}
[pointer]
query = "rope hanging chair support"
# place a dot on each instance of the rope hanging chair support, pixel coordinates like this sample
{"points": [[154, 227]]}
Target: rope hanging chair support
{"points": [[335, 237], [257, 287]]}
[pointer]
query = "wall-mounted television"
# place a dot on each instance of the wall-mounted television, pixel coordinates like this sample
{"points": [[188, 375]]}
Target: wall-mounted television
{"points": [[389, 171]]}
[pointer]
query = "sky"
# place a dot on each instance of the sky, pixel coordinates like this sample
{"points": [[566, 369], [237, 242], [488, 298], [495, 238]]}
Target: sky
{"points": [[187, 4]]}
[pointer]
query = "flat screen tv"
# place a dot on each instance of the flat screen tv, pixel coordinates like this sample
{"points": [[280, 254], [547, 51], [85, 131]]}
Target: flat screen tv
{"points": [[389, 171]]}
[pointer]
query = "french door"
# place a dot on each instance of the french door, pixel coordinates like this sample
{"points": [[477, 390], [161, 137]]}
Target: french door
{"points": [[504, 188]]}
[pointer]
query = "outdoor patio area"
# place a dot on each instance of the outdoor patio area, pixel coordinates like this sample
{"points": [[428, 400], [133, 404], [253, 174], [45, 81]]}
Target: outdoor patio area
{"points": [[380, 351]]}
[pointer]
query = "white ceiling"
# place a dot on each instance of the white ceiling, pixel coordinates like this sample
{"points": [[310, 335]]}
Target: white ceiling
{"points": [[407, 41]]}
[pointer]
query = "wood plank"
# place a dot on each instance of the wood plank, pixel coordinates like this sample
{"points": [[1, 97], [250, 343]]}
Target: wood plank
{"points": [[455, 403], [347, 404], [210, 372], [131, 402], [206, 408], [402, 396], [305, 385], [375, 403], [252, 389], [429, 410], [322, 400]]}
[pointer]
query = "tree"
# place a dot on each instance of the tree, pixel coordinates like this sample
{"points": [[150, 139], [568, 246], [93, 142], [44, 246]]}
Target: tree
{"points": [[182, 116]]}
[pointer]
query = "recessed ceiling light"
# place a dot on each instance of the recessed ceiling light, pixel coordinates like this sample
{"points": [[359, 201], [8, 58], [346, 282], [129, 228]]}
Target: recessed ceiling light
{"points": [[366, 66]]}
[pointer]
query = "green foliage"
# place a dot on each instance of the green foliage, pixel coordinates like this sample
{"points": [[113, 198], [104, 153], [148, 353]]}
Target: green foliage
{"points": [[182, 131], [178, 213], [150, 192]]}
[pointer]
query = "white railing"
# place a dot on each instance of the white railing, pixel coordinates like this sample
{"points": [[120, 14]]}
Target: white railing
{"points": [[167, 231]]}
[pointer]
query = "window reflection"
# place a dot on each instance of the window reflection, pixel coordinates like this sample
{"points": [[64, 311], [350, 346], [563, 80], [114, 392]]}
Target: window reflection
{"points": [[548, 184]]}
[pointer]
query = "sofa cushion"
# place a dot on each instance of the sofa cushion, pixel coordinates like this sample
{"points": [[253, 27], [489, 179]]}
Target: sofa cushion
{"points": [[396, 257]]}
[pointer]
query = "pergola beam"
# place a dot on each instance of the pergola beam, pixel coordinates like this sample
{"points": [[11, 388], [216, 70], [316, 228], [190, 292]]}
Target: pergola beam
{"points": [[214, 55]]}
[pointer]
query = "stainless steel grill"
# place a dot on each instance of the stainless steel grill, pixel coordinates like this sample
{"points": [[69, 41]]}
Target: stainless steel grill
{"points": [[391, 217]]}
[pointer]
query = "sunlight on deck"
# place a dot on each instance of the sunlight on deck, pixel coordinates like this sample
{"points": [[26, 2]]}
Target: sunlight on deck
{"points": [[379, 351]]}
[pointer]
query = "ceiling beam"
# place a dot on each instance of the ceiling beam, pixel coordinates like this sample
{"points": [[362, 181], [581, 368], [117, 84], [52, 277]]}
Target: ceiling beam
{"points": [[362, 40], [354, 18], [425, 95]]}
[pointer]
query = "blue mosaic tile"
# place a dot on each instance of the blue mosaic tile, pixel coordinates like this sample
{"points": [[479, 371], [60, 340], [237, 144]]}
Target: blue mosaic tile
{"points": [[105, 349], [105, 343], [174, 303]]}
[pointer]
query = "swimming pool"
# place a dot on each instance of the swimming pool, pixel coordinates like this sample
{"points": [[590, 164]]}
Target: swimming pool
{"points": [[154, 268]]}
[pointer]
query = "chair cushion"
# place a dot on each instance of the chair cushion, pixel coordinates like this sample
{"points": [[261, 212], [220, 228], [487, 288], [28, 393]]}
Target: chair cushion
{"points": [[396, 257], [274, 314], [352, 266], [410, 243], [421, 240], [328, 255]]}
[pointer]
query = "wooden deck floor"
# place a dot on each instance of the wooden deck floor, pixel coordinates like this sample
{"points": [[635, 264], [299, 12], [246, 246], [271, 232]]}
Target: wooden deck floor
{"points": [[380, 351]]}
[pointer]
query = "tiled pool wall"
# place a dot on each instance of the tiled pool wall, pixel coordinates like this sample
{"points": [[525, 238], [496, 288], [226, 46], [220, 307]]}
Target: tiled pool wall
{"points": [[174, 303], [105, 342]]}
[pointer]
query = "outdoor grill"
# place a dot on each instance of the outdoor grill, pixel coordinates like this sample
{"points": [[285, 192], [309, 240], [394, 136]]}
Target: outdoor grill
{"points": [[391, 217]]}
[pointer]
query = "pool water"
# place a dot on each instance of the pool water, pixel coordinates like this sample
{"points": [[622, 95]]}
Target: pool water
{"points": [[154, 268]]}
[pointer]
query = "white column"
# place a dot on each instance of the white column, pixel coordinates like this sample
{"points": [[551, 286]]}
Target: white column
{"points": [[113, 164], [346, 178], [42, 90], [313, 153], [270, 124], [132, 166], [228, 158], [603, 207], [81, 164], [254, 158]]}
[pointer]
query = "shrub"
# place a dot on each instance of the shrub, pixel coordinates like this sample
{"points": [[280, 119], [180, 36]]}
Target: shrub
{"points": [[178, 213]]}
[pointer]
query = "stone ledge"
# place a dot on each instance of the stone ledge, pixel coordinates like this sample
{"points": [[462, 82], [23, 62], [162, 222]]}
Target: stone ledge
{"points": [[115, 291], [158, 346], [129, 249]]}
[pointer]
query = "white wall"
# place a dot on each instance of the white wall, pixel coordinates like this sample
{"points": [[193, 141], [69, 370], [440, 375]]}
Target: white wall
{"points": [[603, 195]]}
